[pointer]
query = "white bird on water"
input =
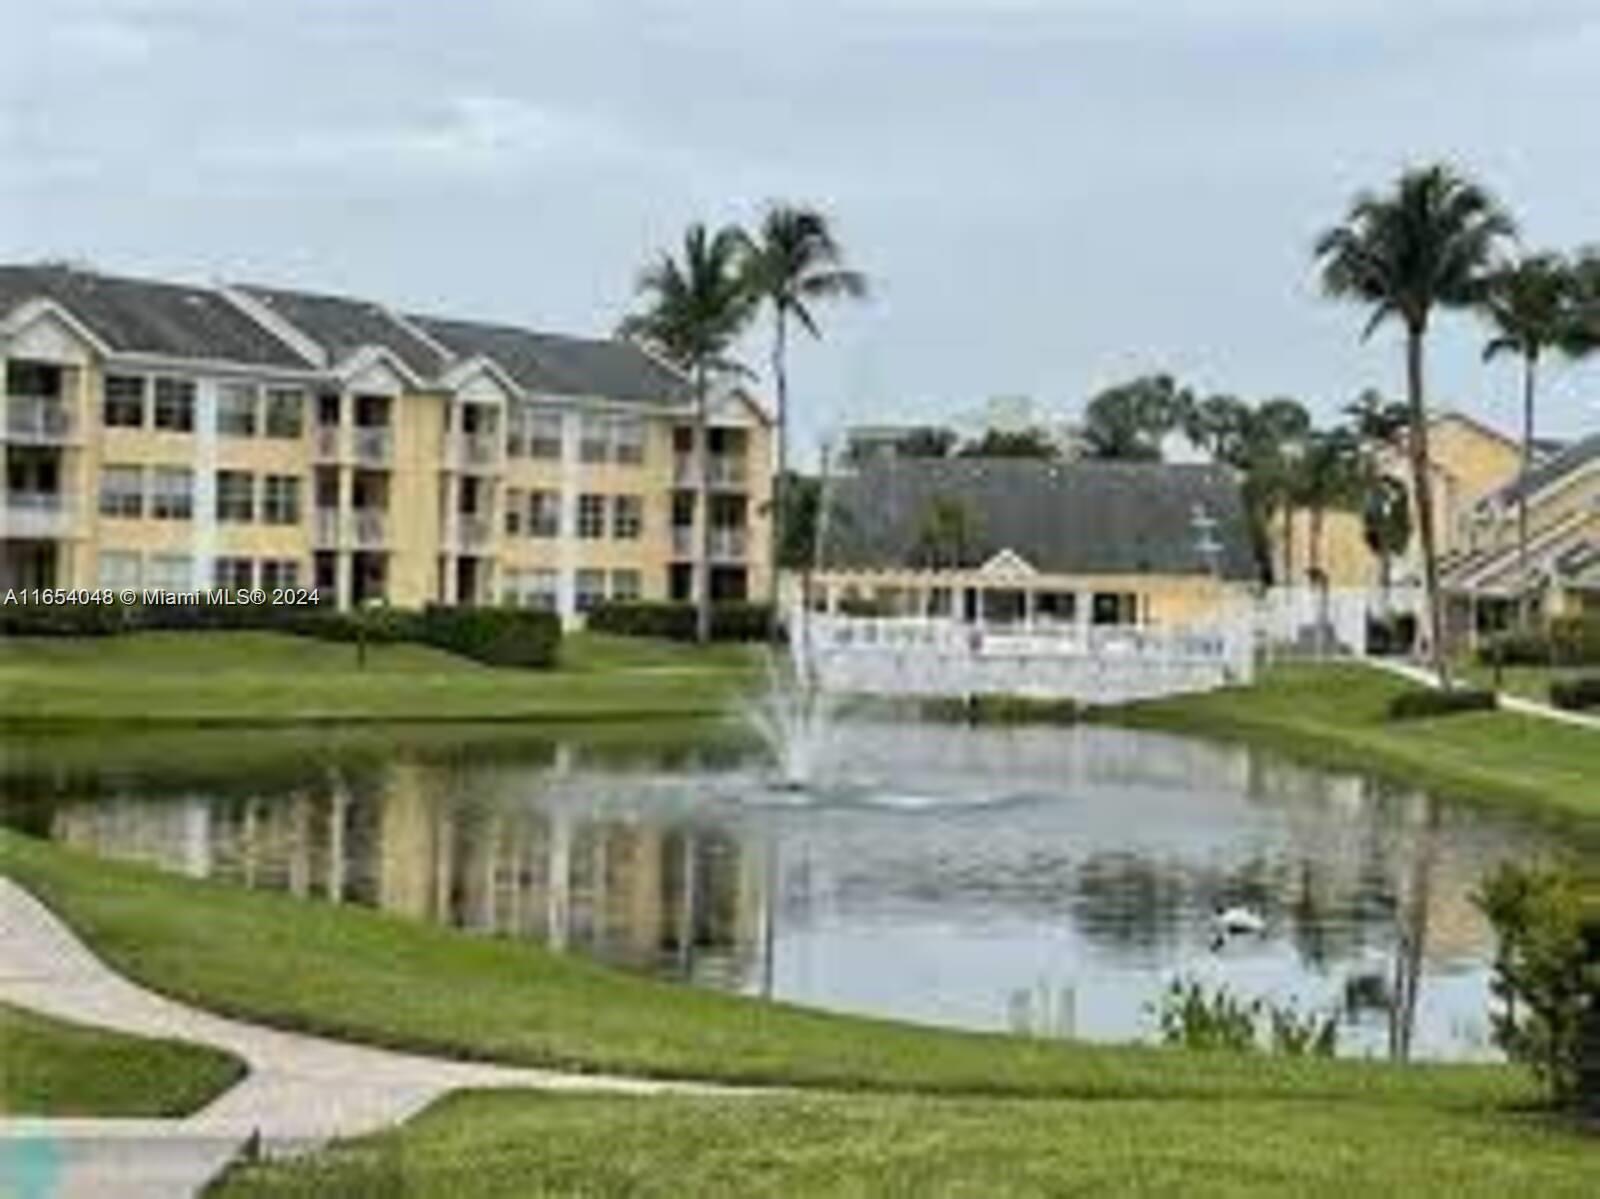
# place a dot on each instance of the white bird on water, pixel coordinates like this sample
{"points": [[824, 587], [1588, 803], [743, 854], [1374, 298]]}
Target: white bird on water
{"points": [[1237, 921]]}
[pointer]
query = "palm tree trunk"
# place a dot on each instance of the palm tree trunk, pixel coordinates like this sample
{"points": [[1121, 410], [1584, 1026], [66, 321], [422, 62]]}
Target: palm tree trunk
{"points": [[1423, 485], [702, 502], [780, 435], [1530, 382]]}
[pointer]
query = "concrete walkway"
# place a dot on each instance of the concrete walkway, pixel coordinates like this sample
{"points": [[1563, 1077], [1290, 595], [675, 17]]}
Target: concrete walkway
{"points": [[300, 1091], [1511, 703]]}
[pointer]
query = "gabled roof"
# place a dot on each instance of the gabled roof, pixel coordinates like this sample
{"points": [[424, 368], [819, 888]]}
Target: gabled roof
{"points": [[1059, 517], [141, 316], [549, 364], [343, 325], [1576, 456]]}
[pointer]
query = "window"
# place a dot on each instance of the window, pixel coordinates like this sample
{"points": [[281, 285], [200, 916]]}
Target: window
{"points": [[544, 434], [591, 589], [591, 517], [236, 410], [625, 585], [594, 439], [121, 491], [543, 590], [123, 406], [285, 413], [280, 500], [1114, 608], [119, 568], [279, 572], [233, 574], [171, 572], [174, 409], [172, 493], [236, 496], [629, 440], [516, 509], [627, 517], [544, 514]]}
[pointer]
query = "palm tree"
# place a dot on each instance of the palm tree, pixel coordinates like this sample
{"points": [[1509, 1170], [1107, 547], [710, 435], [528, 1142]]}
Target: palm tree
{"points": [[1531, 306], [1426, 244], [1330, 476], [791, 264], [1386, 527], [694, 310], [1274, 443]]}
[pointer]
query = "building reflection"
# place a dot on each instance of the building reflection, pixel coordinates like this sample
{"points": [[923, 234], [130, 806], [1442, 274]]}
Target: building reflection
{"points": [[676, 897]]}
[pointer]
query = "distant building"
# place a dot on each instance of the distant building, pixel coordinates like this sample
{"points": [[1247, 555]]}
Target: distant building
{"points": [[1019, 540]]}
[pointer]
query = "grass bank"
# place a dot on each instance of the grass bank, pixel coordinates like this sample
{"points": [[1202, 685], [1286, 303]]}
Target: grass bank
{"points": [[53, 1068], [366, 976], [511, 1145], [198, 679], [1337, 714]]}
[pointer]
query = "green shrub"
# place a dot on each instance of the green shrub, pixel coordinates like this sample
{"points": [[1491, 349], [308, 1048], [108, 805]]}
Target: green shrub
{"points": [[1576, 693], [1547, 977], [1391, 635], [496, 636], [730, 621], [1566, 641], [1191, 1017], [1414, 705]]}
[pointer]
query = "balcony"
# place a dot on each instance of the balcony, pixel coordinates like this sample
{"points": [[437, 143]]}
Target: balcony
{"points": [[325, 528], [372, 445], [683, 545], [722, 471], [471, 532], [39, 420], [362, 528], [36, 514], [476, 452], [327, 443], [371, 527], [728, 545]]}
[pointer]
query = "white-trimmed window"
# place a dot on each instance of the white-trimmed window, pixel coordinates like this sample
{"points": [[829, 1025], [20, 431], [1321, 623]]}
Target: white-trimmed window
{"points": [[170, 572], [544, 433], [626, 585], [172, 493], [544, 514], [516, 510], [236, 496], [285, 413], [233, 574], [594, 439], [122, 404], [628, 435], [174, 405], [590, 590], [236, 409], [279, 572], [627, 517], [122, 491], [543, 590], [119, 568], [280, 500], [591, 517]]}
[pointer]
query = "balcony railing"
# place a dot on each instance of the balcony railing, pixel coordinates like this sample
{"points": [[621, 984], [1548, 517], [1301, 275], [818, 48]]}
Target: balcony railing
{"points": [[327, 443], [722, 470], [36, 514], [371, 527], [728, 545], [39, 419], [325, 528], [373, 445], [683, 541], [472, 531], [480, 451]]}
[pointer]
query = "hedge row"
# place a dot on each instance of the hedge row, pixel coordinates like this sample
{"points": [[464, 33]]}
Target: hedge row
{"points": [[676, 621], [1413, 705], [1581, 692], [1568, 641], [495, 636]]}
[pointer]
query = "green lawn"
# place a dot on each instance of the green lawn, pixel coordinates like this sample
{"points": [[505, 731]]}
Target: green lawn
{"points": [[52, 1068], [1336, 714], [267, 678], [514, 1145]]}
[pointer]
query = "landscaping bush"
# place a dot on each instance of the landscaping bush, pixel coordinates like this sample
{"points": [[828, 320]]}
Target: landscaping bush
{"points": [[1576, 693], [1566, 641], [495, 636], [1547, 978], [1415, 705], [1391, 635], [730, 621]]}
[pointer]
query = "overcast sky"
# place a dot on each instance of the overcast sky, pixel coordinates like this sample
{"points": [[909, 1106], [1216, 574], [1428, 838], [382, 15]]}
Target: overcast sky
{"points": [[1049, 196]]}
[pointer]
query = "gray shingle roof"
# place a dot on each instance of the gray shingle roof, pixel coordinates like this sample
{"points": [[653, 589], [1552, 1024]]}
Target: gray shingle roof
{"points": [[1578, 453], [1062, 517], [343, 325], [141, 316], [556, 365]]}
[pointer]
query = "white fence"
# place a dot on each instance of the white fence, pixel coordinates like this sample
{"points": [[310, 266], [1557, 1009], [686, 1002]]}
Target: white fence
{"points": [[1091, 665]]}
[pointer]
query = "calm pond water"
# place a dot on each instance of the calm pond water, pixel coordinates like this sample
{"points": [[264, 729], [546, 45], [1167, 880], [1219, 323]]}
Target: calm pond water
{"points": [[1047, 880]]}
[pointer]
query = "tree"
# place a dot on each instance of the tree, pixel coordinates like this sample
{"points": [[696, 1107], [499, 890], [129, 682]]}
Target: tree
{"points": [[1425, 244], [1019, 443], [1129, 421], [1532, 307], [792, 263], [927, 442], [947, 535], [695, 307], [1386, 527], [1379, 421], [1331, 475], [1274, 444]]}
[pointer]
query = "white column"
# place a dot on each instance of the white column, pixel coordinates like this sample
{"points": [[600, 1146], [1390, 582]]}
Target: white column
{"points": [[567, 560], [203, 523]]}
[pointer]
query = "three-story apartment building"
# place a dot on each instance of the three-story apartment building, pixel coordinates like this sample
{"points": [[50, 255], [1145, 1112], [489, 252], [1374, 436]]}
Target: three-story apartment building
{"points": [[169, 437]]}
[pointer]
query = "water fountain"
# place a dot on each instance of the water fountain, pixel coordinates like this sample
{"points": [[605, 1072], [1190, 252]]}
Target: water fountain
{"points": [[796, 721]]}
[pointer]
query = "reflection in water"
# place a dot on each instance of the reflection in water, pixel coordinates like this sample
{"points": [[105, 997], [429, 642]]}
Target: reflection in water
{"points": [[1044, 880]]}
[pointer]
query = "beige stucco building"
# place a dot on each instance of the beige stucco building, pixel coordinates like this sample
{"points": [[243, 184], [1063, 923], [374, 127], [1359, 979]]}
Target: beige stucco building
{"points": [[169, 437]]}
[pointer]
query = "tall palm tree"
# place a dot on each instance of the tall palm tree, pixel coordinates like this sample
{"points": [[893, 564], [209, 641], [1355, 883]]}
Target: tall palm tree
{"points": [[1381, 425], [1532, 307], [1330, 476], [1425, 244], [792, 263], [1275, 440], [694, 309]]}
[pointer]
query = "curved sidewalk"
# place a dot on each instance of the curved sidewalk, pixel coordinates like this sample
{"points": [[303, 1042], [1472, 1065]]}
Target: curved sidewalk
{"points": [[300, 1090]]}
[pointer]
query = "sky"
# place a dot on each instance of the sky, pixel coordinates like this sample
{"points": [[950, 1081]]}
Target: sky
{"points": [[1048, 197]]}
